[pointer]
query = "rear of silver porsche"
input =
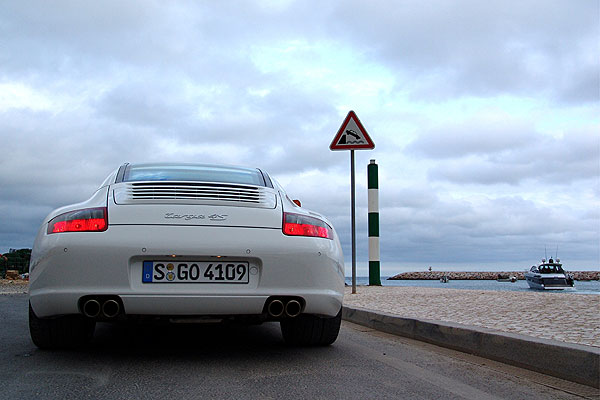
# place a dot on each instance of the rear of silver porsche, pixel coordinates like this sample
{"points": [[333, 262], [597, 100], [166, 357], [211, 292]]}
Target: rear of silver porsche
{"points": [[185, 248], [218, 248]]}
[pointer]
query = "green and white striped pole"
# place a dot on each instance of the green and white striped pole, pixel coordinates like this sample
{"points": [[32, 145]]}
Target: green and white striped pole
{"points": [[373, 200]]}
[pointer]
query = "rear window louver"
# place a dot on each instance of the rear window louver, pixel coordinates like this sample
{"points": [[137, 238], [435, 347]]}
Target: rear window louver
{"points": [[194, 193]]}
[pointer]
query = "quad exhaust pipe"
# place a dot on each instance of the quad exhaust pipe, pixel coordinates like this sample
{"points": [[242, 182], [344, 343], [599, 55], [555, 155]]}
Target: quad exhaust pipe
{"points": [[93, 308], [276, 308], [110, 308], [290, 308], [293, 308]]}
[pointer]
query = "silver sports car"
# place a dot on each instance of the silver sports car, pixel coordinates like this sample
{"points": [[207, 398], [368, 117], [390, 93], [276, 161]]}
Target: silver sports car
{"points": [[185, 242]]}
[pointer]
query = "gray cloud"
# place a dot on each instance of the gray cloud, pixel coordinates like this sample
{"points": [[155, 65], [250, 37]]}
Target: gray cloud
{"points": [[508, 227], [140, 103], [480, 136], [440, 50], [143, 81], [436, 50], [547, 160]]}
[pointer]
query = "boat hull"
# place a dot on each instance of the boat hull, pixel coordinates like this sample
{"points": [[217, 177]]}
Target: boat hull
{"points": [[535, 281]]}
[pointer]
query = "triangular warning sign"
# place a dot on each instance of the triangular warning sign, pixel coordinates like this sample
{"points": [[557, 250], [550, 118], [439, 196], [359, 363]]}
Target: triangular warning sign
{"points": [[351, 135]]}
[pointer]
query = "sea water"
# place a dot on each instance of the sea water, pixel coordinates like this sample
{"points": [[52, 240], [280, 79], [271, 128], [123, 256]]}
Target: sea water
{"points": [[581, 287]]}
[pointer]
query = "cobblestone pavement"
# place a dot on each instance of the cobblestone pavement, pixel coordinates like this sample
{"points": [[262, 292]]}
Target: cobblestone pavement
{"points": [[566, 317], [10, 286]]}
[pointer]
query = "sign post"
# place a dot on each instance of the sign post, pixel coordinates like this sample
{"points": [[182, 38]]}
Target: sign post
{"points": [[353, 207], [352, 136]]}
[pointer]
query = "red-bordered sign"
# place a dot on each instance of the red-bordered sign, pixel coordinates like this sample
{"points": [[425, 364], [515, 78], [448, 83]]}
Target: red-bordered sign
{"points": [[351, 135]]}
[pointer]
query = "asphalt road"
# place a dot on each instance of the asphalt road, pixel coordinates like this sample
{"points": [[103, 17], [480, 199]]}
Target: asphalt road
{"points": [[183, 361]]}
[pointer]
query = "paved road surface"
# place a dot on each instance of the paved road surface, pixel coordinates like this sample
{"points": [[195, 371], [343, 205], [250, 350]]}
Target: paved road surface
{"points": [[251, 362]]}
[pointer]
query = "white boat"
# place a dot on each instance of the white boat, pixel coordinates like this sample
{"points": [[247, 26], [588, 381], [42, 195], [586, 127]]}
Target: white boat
{"points": [[549, 275]]}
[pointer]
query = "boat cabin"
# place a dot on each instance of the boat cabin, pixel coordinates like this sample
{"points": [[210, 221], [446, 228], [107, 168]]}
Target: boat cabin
{"points": [[550, 267]]}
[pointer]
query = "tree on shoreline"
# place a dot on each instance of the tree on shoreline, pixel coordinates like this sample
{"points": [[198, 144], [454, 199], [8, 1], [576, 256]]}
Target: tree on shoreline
{"points": [[15, 259]]}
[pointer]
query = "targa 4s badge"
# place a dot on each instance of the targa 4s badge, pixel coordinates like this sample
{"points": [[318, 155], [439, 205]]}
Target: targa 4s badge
{"points": [[189, 217]]}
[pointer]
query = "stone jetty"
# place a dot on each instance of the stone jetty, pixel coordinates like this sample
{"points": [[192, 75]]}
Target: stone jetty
{"points": [[486, 275]]}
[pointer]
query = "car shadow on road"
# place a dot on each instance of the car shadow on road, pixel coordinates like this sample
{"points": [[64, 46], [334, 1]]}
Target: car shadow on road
{"points": [[141, 345], [184, 339], [174, 360], [171, 341]]}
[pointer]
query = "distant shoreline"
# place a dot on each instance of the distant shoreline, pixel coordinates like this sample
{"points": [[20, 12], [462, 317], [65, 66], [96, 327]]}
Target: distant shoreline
{"points": [[484, 275]]}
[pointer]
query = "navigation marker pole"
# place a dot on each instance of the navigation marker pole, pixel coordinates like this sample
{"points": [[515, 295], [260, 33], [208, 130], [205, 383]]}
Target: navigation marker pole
{"points": [[373, 188]]}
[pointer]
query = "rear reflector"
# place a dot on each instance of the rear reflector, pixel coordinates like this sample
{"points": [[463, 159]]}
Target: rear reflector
{"points": [[87, 220], [303, 225]]}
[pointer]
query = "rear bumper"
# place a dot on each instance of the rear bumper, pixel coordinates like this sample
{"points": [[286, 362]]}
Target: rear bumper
{"points": [[51, 304], [69, 266]]}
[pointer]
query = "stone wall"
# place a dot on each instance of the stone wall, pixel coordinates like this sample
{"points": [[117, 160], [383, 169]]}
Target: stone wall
{"points": [[473, 275]]}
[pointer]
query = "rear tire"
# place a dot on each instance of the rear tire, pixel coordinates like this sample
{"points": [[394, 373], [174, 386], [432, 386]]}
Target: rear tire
{"points": [[311, 330], [61, 332]]}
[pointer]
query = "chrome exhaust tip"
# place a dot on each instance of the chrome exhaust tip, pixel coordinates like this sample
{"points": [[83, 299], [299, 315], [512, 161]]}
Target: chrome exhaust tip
{"points": [[275, 308], [91, 308], [293, 308], [110, 308]]}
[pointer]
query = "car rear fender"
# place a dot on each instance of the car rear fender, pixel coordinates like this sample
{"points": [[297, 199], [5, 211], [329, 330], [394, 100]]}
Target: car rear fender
{"points": [[40, 246]]}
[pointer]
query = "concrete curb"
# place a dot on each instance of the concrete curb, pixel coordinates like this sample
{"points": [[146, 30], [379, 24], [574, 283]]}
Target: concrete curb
{"points": [[572, 362]]}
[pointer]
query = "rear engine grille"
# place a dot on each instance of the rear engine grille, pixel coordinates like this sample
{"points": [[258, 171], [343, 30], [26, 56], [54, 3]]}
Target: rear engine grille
{"points": [[141, 191], [194, 193]]}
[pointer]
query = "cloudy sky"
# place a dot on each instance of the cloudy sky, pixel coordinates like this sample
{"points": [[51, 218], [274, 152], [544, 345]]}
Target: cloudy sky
{"points": [[485, 115]]}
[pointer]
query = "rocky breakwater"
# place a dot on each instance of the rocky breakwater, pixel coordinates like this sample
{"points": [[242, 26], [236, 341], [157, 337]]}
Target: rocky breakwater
{"points": [[484, 275]]}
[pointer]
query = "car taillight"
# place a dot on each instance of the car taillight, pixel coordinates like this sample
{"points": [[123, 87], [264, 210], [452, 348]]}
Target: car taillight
{"points": [[302, 225], [87, 220]]}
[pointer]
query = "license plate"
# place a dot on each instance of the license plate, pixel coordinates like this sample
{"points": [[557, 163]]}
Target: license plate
{"points": [[195, 272]]}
